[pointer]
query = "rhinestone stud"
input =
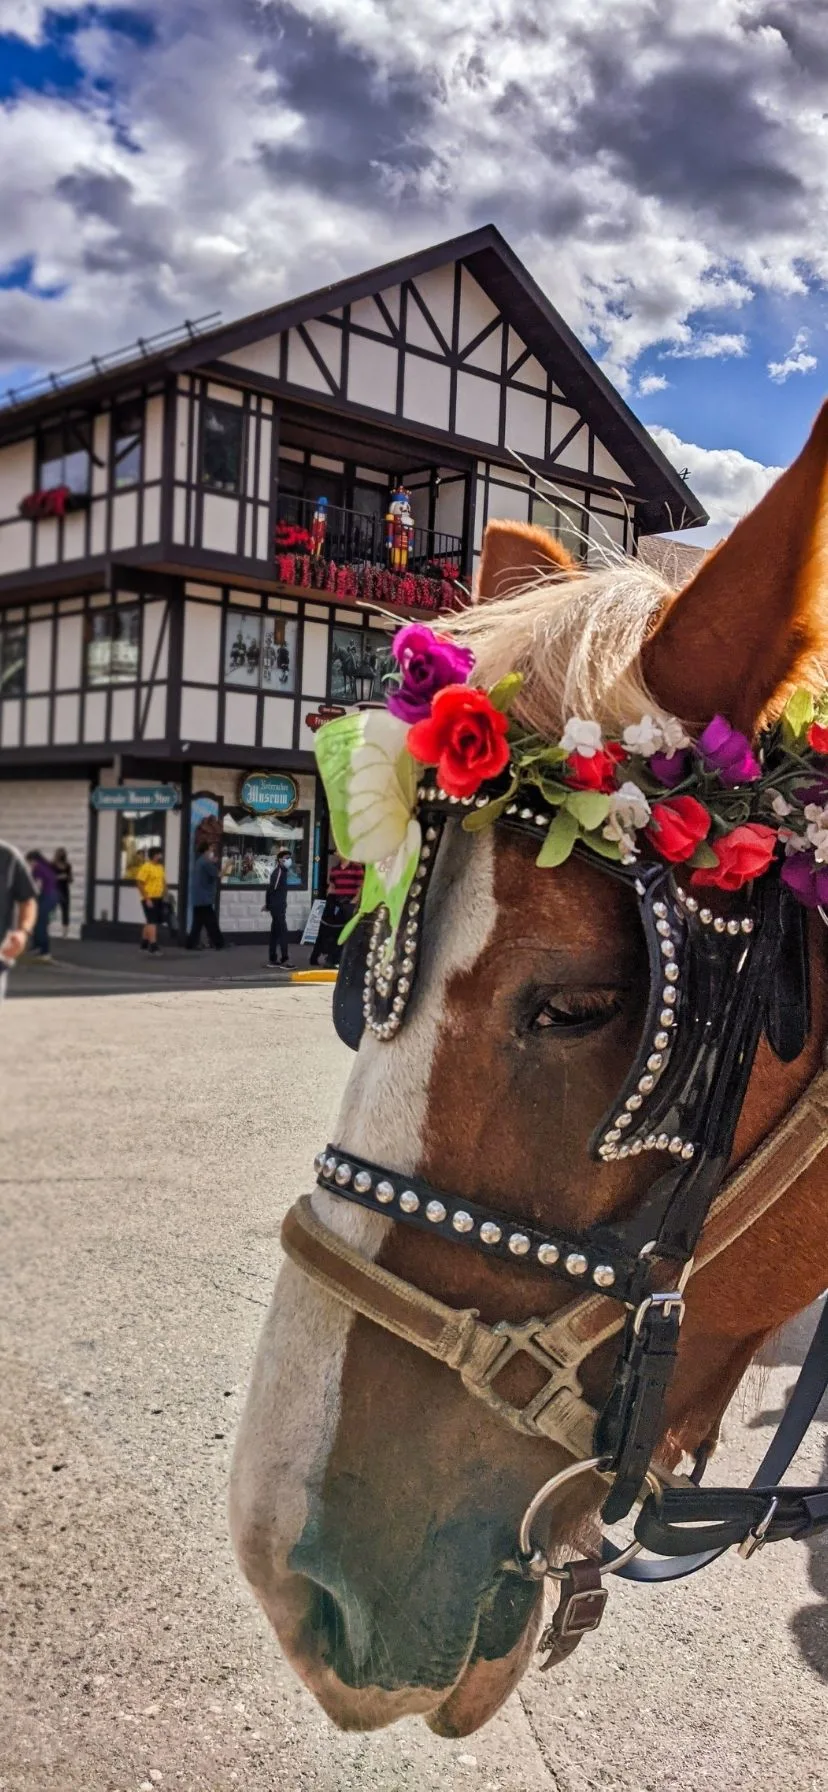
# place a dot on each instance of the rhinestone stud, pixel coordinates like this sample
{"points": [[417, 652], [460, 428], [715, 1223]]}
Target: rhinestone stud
{"points": [[747, 925], [343, 1175], [705, 916], [663, 927], [668, 950], [603, 1275], [362, 1182], [435, 1212], [671, 972], [660, 909], [329, 1166], [318, 1161], [675, 1146], [462, 1221], [669, 996], [733, 927], [662, 1040], [409, 1202], [646, 1084], [518, 1244], [490, 1233], [666, 1018], [691, 904], [688, 1151], [633, 1102], [655, 1061], [718, 924], [548, 1253], [576, 1264]]}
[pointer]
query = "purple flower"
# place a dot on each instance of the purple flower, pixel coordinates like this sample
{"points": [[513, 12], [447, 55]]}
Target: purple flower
{"points": [[726, 751], [669, 768], [428, 663], [807, 879]]}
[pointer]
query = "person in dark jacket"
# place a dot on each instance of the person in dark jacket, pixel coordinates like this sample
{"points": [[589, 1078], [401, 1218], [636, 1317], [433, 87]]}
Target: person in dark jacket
{"points": [[46, 884], [204, 893], [276, 904]]}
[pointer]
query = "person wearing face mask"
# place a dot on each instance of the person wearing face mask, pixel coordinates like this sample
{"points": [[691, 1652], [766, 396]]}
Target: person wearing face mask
{"points": [[276, 904]]}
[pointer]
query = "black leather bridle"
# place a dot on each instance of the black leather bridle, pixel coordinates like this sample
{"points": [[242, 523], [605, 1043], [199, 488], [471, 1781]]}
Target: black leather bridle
{"points": [[719, 979]]}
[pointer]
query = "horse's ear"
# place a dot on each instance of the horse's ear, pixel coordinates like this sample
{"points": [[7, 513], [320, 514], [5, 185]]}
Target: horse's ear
{"points": [[753, 622], [513, 555]]}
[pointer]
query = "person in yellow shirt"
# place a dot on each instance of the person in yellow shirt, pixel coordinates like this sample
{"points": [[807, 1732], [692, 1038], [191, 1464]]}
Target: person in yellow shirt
{"points": [[151, 879]]}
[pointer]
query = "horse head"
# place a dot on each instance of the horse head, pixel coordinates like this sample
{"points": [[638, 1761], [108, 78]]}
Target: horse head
{"points": [[375, 1504]]}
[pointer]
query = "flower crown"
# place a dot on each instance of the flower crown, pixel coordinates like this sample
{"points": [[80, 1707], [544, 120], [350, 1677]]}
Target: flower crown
{"points": [[723, 807]]}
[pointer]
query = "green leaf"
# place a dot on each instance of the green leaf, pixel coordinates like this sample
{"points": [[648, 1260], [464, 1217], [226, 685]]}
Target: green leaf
{"points": [[606, 849], [553, 792], [559, 841], [797, 715], [483, 818], [503, 694], [703, 858], [589, 807]]}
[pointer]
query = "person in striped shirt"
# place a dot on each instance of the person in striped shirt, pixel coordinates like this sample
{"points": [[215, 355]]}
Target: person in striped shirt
{"points": [[344, 886]]}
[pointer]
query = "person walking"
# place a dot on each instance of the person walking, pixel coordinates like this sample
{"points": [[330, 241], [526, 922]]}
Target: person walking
{"points": [[204, 893], [276, 904], [18, 909], [65, 878], [46, 885], [344, 885], [151, 879]]}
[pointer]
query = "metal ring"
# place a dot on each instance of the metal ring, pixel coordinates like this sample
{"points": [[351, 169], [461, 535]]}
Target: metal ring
{"points": [[527, 1550]]}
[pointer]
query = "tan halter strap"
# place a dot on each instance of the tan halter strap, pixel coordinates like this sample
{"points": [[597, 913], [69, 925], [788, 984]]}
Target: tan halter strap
{"points": [[560, 1343]]}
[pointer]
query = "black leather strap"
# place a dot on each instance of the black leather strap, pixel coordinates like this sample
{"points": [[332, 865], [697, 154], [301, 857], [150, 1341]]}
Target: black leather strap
{"points": [[630, 1425]]}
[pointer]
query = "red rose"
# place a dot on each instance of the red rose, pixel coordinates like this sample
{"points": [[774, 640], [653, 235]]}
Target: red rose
{"points": [[680, 824], [818, 737], [742, 855], [595, 771], [465, 737]]}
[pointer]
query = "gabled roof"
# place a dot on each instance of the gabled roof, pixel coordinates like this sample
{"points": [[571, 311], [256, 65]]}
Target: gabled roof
{"points": [[510, 287]]}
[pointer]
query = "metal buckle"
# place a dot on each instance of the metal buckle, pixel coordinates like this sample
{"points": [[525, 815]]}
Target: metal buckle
{"points": [[584, 1612], [670, 1301], [758, 1536]]}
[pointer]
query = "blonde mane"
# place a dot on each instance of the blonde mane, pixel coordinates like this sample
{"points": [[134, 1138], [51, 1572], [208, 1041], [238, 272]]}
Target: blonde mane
{"points": [[577, 639]]}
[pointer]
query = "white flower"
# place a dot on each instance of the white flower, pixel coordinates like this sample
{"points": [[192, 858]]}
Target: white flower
{"points": [[780, 807], [629, 809], [582, 737], [817, 830], [628, 848], [655, 734]]}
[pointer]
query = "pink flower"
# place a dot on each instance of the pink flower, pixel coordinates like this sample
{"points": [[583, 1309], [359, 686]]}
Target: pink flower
{"points": [[428, 663]]}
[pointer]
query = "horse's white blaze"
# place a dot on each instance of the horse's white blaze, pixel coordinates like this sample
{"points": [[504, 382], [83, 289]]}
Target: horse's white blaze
{"points": [[293, 1404]]}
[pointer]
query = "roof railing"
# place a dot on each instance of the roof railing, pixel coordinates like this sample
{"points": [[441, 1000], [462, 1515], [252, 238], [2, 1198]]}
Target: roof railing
{"points": [[98, 364]]}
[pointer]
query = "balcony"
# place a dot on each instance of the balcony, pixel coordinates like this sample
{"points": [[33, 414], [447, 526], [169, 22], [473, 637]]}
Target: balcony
{"points": [[346, 554]]}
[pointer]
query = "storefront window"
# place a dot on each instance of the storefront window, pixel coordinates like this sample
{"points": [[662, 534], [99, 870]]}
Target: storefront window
{"points": [[112, 645], [360, 661], [250, 843], [260, 651], [139, 834], [12, 661]]}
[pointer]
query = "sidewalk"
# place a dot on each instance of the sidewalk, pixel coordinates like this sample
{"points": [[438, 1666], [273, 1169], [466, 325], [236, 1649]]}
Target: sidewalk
{"points": [[107, 967]]}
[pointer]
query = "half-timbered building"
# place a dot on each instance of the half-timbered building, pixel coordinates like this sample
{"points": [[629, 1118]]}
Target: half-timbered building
{"points": [[199, 553]]}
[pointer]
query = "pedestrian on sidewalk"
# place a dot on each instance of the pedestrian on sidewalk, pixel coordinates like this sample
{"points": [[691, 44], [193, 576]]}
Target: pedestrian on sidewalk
{"points": [[65, 877], [276, 903], [46, 885], [204, 893], [18, 909], [344, 885], [151, 879]]}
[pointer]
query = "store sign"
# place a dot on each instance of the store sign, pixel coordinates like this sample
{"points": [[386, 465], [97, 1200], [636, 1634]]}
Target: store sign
{"points": [[327, 712], [268, 793], [145, 797]]}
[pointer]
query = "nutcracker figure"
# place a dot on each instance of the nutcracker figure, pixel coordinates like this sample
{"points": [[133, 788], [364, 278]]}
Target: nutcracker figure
{"points": [[319, 527], [399, 528]]}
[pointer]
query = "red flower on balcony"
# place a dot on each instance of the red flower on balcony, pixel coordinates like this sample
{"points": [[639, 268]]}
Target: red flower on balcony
{"points": [[291, 538]]}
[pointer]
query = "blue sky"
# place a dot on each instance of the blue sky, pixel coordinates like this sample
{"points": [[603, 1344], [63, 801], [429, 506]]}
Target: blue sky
{"points": [[668, 188]]}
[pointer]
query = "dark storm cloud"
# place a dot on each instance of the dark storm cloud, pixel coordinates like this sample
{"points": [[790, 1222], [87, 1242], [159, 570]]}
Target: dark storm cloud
{"points": [[693, 132], [138, 232], [358, 127], [803, 27]]}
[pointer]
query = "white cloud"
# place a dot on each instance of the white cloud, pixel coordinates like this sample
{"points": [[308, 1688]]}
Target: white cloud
{"points": [[796, 360], [709, 346], [652, 382], [728, 482]]}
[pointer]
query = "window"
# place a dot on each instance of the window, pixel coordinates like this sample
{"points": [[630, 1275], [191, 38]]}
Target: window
{"points": [[568, 522], [221, 446], [64, 459], [249, 845], [260, 651], [112, 645], [140, 832], [127, 441], [360, 661], [12, 660]]}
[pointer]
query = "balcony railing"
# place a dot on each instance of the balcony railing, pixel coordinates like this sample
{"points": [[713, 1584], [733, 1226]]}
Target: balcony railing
{"points": [[356, 540]]}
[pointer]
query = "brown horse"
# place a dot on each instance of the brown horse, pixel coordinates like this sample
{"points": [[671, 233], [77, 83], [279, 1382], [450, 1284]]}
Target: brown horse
{"points": [[373, 1501]]}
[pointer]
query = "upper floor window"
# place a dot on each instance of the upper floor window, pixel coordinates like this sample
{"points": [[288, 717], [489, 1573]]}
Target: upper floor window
{"points": [[112, 645], [568, 522], [127, 441], [12, 659], [222, 445], [64, 458]]}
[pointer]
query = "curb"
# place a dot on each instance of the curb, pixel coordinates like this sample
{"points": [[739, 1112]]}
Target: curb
{"points": [[314, 976]]}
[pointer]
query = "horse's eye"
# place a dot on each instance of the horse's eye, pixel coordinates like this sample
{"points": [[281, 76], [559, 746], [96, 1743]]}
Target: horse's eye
{"points": [[576, 1014]]}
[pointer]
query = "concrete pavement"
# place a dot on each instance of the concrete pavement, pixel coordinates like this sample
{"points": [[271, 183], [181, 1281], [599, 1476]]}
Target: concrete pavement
{"points": [[150, 1145], [118, 967]]}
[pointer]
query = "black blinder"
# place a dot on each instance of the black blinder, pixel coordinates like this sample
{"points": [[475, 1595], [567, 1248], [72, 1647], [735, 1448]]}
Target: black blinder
{"points": [[788, 1007], [348, 1015]]}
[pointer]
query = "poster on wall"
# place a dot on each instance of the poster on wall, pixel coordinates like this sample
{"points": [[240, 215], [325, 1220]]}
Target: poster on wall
{"points": [[113, 645], [12, 661], [360, 661], [205, 830], [260, 651]]}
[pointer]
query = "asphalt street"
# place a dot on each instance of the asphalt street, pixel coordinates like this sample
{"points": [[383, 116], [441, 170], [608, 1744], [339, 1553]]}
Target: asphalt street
{"points": [[150, 1144]]}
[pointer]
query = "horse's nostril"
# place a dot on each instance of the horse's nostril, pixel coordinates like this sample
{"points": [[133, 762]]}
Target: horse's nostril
{"points": [[339, 1627]]}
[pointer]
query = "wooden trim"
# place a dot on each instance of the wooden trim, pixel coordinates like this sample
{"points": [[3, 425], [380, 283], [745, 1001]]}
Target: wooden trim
{"points": [[168, 440], [315, 355]]}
